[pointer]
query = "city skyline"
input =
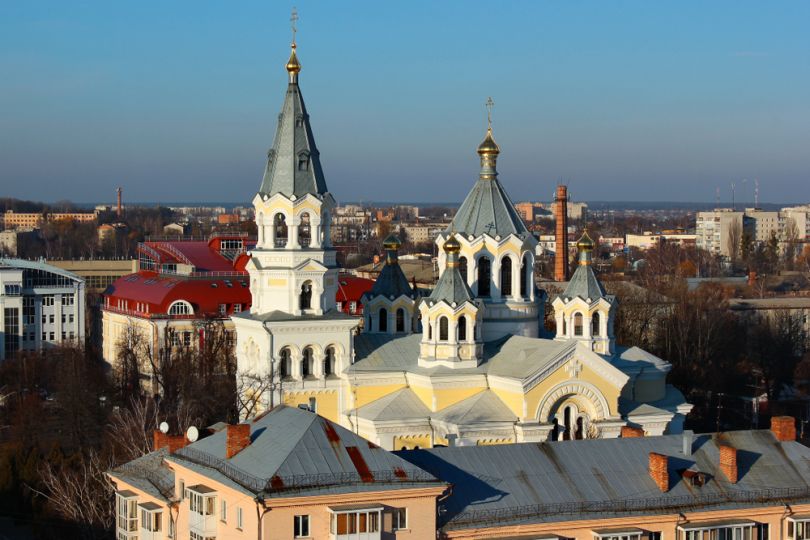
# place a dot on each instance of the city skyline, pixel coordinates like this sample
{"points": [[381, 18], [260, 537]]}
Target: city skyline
{"points": [[622, 102]]}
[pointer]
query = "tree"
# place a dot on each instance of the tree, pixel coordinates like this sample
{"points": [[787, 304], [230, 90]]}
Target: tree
{"points": [[735, 235]]}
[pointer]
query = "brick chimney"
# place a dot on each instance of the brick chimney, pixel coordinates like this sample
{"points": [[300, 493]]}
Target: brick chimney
{"points": [[728, 463], [172, 442], [237, 439], [561, 234], [752, 279], [783, 428], [631, 432], [659, 471]]}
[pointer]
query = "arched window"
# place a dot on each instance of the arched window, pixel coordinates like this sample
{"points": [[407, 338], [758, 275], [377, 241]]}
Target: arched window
{"points": [[577, 324], [430, 331], [307, 362], [443, 329], [506, 276], [181, 307], [595, 324], [305, 298], [304, 231], [462, 267], [565, 327], [284, 363], [329, 361], [484, 276], [280, 226], [579, 431], [382, 322], [400, 320], [524, 278], [462, 328], [567, 423]]}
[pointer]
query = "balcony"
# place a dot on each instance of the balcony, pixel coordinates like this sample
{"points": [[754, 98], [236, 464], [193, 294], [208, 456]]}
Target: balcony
{"points": [[355, 522], [202, 519]]}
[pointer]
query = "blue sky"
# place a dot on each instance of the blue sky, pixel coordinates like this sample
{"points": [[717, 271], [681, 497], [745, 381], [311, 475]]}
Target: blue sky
{"points": [[621, 100]]}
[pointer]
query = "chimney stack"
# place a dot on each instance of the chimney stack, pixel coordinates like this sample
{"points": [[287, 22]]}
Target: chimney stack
{"points": [[728, 462], [237, 439], [629, 432], [172, 442], [783, 428], [688, 439], [561, 234], [119, 210], [659, 470]]}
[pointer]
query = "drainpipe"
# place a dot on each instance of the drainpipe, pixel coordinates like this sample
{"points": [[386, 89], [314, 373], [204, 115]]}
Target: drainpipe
{"points": [[261, 510], [273, 372]]}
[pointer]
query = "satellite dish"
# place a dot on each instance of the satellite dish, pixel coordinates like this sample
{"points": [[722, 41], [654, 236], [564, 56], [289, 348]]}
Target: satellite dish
{"points": [[164, 427], [192, 434]]}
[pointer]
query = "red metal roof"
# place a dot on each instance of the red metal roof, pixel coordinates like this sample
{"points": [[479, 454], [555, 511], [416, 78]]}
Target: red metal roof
{"points": [[352, 288]]}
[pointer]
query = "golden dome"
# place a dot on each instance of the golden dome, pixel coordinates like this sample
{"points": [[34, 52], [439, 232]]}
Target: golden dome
{"points": [[488, 145], [293, 66], [585, 243], [452, 245], [392, 242]]}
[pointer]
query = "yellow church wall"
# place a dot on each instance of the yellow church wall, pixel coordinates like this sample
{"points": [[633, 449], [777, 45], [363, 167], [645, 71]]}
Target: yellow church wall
{"points": [[425, 394], [490, 442], [513, 400], [326, 402], [363, 395], [412, 441], [536, 394], [448, 397]]}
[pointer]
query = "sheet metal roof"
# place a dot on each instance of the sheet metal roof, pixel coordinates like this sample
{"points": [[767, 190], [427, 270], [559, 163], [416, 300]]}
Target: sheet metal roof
{"points": [[400, 405], [391, 282], [584, 284], [295, 449], [554, 481], [24, 264], [485, 406], [488, 210], [452, 287]]}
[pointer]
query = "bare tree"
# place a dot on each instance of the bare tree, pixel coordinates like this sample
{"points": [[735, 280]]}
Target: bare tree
{"points": [[132, 350], [250, 391], [734, 240]]}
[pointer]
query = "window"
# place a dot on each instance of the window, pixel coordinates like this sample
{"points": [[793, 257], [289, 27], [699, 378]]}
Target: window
{"points": [[199, 502], [223, 309], [462, 268], [313, 404], [345, 525], [51, 336], [353, 307], [329, 361], [578, 324], [11, 319], [484, 276], [524, 278], [443, 329], [400, 518], [400, 320], [223, 511], [151, 520], [70, 318], [284, 362], [305, 298], [181, 307], [301, 527], [745, 530], [618, 534], [239, 522], [126, 514], [50, 318], [506, 276], [67, 299], [462, 328], [237, 308], [306, 362], [304, 231], [382, 324], [595, 324], [47, 300], [339, 306], [280, 230]]}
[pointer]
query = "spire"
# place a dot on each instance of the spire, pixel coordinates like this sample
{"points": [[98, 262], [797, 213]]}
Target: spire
{"points": [[293, 163], [584, 283], [489, 149]]}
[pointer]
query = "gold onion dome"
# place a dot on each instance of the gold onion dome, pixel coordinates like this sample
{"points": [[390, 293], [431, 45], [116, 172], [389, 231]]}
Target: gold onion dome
{"points": [[585, 243], [488, 145], [452, 245], [293, 66], [392, 242]]}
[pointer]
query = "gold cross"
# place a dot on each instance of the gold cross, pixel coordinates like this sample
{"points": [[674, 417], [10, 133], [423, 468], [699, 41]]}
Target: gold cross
{"points": [[293, 20], [489, 105]]}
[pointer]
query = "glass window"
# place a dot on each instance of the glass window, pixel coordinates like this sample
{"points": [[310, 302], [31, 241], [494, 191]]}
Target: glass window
{"points": [[223, 511], [301, 527], [239, 522], [400, 518]]}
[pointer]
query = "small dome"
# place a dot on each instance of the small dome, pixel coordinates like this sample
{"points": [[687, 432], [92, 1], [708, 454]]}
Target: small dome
{"points": [[585, 242], [488, 145], [293, 66], [452, 245], [392, 242]]}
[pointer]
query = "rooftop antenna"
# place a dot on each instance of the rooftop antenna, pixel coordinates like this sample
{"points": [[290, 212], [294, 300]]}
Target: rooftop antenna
{"points": [[756, 193]]}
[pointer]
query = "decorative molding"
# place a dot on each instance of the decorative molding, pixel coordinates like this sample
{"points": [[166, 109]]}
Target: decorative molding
{"points": [[578, 388]]}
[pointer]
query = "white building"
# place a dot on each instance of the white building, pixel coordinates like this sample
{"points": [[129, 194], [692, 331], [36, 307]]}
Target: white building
{"points": [[42, 306]]}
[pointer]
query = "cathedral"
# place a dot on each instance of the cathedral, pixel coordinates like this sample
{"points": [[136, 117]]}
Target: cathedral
{"points": [[469, 364]]}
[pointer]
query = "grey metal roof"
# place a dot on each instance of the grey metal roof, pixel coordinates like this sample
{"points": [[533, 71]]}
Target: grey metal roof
{"points": [[513, 357], [292, 449], [283, 316], [391, 282], [584, 284], [487, 209], [636, 356], [561, 481], [25, 264], [452, 288], [400, 405], [293, 145], [485, 406], [149, 474]]}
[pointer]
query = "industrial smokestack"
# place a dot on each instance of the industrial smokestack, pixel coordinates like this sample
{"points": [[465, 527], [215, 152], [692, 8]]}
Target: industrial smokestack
{"points": [[561, 235], [119, 209]]}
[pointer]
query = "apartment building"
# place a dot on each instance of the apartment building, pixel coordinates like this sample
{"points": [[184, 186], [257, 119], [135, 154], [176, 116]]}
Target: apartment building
{"points": [[719, 229], [41, 305], [291, 474]]}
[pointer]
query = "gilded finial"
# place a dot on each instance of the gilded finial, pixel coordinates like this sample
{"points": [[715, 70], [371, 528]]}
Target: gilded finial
{"points": [[488, 146], [585, 246]]}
